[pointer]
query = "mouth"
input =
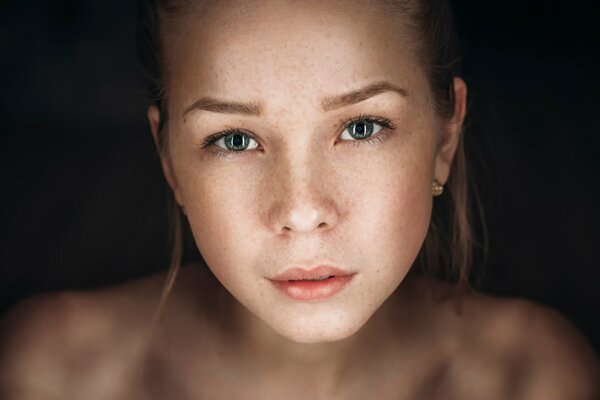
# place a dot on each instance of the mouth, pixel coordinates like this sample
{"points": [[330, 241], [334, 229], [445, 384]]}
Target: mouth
{"points": [[316, 284]]}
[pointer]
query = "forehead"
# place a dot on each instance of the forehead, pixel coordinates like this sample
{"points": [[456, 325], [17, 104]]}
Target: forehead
{"points": [[263, 49]]}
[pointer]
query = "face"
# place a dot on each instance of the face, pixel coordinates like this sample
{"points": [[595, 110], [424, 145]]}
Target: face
{"points": [[330, 148]]}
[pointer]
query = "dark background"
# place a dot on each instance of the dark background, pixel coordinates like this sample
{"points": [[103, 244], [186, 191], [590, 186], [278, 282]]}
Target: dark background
{"points": [[83, 202]]}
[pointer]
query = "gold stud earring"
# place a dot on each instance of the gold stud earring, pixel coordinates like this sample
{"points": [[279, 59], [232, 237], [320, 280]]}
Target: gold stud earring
{"points": [[437, 189]]}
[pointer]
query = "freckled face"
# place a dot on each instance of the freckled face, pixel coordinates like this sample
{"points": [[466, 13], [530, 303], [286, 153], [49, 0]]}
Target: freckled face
{"points": [[301, 190]]}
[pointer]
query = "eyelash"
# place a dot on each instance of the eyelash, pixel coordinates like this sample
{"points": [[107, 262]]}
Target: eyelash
{"points": [[378, 137]]}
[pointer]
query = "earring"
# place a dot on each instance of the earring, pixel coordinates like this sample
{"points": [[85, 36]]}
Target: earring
{"points": [[183, 210], [437, 189]]}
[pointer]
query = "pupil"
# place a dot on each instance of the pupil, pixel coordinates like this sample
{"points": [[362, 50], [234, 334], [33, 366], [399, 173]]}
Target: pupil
{"points": [[238, 140], [360, 129]]}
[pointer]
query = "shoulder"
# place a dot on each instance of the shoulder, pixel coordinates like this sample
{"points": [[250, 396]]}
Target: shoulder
{"points": [[526, 350], [60, 345], [39, 344], [557, 361]]}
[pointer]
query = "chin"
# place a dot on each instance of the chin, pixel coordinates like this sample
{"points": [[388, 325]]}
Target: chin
{"points": [[327, 327]]}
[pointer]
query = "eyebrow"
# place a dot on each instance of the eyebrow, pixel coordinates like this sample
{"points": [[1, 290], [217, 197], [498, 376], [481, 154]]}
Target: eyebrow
{"points": [[225, 107], [356, 96], [327, 104]]}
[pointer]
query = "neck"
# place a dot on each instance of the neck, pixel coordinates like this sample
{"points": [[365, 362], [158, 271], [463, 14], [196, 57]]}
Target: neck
{"points": [[322, 369]]}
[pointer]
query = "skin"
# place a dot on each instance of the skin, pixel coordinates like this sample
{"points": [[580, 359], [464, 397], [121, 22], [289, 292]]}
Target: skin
{"points": [[306, 195]]}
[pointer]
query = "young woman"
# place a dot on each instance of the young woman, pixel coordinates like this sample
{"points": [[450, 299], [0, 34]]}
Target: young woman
{"points": [[315, 149]]}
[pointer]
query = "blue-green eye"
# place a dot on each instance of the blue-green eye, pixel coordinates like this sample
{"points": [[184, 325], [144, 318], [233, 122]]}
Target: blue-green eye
{"points": [[235, 141], [361, 129]]}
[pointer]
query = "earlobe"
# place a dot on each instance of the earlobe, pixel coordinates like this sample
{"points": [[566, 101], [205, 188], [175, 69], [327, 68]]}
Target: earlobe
{"points": [[167, 167], [452, 131]]}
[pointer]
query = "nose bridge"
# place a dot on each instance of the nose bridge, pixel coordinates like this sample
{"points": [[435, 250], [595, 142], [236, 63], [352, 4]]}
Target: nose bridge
{"points": [[302, 191]]}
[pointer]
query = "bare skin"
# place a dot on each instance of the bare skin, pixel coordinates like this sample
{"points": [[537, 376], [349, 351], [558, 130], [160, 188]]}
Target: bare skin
{"points": [[304, 193], [96, 345]]}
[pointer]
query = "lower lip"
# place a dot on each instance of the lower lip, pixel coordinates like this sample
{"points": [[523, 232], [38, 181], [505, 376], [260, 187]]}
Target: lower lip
{"points": [[307, 290]]}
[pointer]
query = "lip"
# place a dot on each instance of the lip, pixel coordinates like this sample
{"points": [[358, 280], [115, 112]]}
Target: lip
{"points": [[300, 284]]}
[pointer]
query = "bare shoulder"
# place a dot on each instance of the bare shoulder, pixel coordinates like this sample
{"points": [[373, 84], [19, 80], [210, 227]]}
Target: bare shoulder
{"points": [[74, 344], [556, 359], [524, 350], [36, 347]]}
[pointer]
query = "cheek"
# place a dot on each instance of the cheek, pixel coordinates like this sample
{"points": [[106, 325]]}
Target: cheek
{"points": [[220, 210], [392, 211]]}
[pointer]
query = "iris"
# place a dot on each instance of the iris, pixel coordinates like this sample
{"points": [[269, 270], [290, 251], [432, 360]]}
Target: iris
{"points": [[236, 141], [361, 130]]}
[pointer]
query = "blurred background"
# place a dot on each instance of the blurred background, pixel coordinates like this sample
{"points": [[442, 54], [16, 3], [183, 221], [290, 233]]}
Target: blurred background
{"points": [[83, 201]]}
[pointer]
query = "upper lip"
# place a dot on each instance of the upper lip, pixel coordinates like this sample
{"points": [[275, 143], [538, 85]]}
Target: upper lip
{"points": [[297, 274]]}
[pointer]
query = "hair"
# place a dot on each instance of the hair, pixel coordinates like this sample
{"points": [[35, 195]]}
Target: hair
{"points": [[447, 252]]}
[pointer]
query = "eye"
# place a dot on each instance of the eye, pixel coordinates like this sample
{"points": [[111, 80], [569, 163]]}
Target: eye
{"points": [[363, 127], [235, 141]]}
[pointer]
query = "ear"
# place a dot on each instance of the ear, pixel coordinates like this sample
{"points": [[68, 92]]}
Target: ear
{"points": [[167, 167], [451, 131]]}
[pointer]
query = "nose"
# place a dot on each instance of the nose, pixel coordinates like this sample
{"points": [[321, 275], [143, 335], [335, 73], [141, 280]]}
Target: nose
{"points": [[302, 197]]}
